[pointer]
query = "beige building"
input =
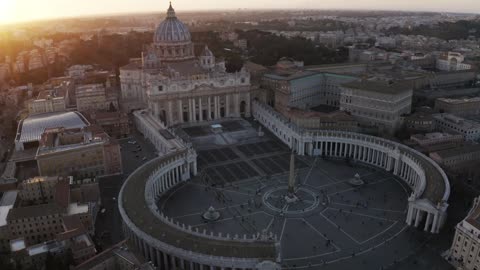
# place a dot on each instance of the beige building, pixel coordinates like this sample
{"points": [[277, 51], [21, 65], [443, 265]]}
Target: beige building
{"points": [[39, 189], [465, 250], [420, 122], [115, 124], [336, 120], [94, 97], [377, 103], [460, 107], [458, 158], [35, 224], [47, 104], [82, 153], [436, 138], [452, 61], [294, 87], [454, 124]]}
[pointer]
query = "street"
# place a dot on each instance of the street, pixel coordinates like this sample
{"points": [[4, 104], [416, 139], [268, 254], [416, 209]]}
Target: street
{"points": [[108, 229]]}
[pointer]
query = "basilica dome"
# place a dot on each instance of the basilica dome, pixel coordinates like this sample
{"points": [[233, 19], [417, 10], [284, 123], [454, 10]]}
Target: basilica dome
{"points": [[171, 30]]}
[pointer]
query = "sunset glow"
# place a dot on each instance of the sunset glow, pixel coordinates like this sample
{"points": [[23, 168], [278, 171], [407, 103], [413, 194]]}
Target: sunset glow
{"points": [[12, 11], [7, 13]]}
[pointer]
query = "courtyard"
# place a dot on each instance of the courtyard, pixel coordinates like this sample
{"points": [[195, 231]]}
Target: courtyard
{"points": [[333, 224]]}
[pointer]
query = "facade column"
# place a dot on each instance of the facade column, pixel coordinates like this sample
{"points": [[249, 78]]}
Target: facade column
{"points": [[194, 108], [169, 113], [247, 107], [227, 106], [237, 105], [190, 118], [216, 105], [200, 111], [156, 109], [209, 110], [180, 111]]}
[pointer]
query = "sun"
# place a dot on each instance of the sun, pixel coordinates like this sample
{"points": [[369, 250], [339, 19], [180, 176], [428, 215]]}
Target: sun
{"points": [[7, 13]]}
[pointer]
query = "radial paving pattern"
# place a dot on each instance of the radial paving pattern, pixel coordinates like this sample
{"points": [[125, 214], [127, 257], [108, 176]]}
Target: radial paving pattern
{"points": [[332, 224]]}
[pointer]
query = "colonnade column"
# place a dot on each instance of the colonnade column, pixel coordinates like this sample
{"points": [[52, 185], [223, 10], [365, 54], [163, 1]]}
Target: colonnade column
{"points": [[417, 217], [427, 223], [434, 224]]}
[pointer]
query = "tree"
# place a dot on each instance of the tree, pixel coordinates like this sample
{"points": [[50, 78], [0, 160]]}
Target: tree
{"points": [[234, 62]]}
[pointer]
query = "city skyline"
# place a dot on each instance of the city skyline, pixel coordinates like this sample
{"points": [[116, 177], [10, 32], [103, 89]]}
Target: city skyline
{"points": [[16, 11]]}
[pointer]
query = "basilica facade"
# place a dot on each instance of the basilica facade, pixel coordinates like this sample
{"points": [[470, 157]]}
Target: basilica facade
{"points": [[174, 86]]}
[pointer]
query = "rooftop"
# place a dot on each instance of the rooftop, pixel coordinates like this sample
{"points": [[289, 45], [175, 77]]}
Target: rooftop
{"points": [[34, 211], [133, 65], [385, 87], [85, 193], [17, 244], [61, 139], [453, 152], [9, 198], [322, 116], [460, 121], [32, 127], [75, 208], [289, 76], [119, 249], [459, 100], [4, 213], [433, 135]]}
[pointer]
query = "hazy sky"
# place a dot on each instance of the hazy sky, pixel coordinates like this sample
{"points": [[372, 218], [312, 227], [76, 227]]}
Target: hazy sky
{"points": [[24, 10]]}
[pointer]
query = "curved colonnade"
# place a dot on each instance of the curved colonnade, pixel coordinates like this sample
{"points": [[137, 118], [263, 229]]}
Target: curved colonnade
{"points": [[170, 245], [429, 183]]}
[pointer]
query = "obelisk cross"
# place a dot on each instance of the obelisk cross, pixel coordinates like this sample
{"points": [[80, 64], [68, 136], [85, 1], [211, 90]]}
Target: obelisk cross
{"points": [[291, 177]]}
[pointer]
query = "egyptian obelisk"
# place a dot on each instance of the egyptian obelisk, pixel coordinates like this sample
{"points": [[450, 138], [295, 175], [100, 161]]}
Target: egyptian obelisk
{"points": [[291, 177]]}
